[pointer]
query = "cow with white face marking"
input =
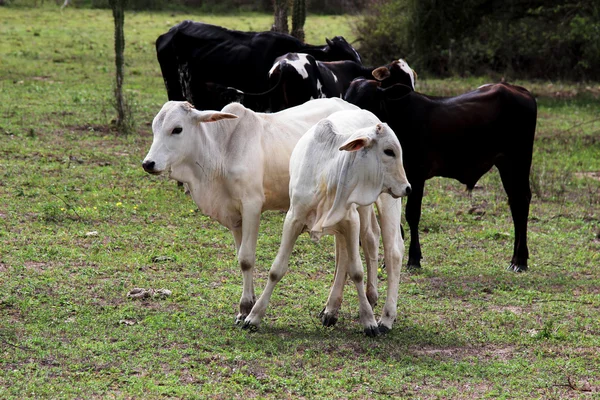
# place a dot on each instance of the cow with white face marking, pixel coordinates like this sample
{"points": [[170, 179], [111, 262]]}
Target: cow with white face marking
{"points": [[343, 164], [297, 77], [235, 163]]}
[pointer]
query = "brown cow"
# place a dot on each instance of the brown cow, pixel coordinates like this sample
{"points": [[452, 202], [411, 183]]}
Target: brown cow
{"points": [[460, 137]]}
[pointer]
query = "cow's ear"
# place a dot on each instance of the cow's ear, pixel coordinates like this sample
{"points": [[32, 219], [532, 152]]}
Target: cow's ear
{"points": [[381, 73], [355, 144], [397, 91], [329, 42], [212, 116]]}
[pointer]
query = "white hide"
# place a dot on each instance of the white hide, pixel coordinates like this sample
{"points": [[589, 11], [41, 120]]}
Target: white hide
{"points": [[235, 163], [299, 65], [408, 70], [345, 161], [348, 177]]}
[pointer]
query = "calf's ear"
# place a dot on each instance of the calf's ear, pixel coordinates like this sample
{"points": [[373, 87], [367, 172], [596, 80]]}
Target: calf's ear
{"points": [[355, 144], [381, 73], [212, 116]]}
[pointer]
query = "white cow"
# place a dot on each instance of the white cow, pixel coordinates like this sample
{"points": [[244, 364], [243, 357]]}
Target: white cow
{"points": [[235, 163], [344, 163]]}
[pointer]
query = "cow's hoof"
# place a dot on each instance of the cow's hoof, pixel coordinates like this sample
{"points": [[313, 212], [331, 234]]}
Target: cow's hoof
{"points": [[384, 329], [516, 268], [414, 268], [372, 331], [328, 319], [240, 318], [250, 327]]}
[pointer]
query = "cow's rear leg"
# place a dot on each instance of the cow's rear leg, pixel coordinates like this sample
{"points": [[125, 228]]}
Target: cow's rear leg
{"points": [[390, 211], [369, 239], [515, 179], [350, 233], [413, 216], [329, 315]]}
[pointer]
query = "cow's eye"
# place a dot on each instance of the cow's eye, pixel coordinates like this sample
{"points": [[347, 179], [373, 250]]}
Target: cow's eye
{"points": [[176, 131], [390, 153]]}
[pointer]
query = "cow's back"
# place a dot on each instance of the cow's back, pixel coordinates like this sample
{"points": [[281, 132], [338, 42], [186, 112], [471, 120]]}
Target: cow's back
{"points": [[263, 143]]}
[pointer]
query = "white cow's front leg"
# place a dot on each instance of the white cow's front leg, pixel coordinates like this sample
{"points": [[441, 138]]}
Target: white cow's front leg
{"points": [[390, 210], [291, 230], [355, 271], [247, 256]]}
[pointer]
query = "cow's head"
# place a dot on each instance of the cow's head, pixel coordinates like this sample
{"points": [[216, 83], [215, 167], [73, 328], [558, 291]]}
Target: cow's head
{"points": [[177, 129], [370, 95], [373, 167], [382, 156], [339, 49], [398, 71], [222, 95]]}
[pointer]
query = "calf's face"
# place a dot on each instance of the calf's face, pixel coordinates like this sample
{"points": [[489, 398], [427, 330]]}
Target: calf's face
{"points": [[176, 129], [382, 157]]}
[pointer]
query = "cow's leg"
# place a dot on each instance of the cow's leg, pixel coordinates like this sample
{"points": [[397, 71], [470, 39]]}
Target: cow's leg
{"points": [[369, 239], [413, 216], [515, 179], [247, 257], [390, 211], [329, 315], [292, 228], [350, 231]]}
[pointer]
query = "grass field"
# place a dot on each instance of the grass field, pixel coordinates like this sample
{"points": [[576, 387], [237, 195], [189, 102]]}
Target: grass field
{"points": [[81, 225]]}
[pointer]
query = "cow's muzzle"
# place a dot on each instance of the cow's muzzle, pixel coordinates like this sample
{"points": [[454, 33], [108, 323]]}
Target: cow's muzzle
{"points": [[149, 167], [406, 192]]}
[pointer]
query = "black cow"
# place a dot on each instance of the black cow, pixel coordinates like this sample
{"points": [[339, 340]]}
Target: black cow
{"points": [[461, 138], [296, 78], [195, 58]]}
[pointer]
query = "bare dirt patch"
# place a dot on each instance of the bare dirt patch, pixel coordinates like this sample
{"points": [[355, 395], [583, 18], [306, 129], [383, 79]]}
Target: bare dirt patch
{"points": [[513, 309], [591, 175], [459, 353]]}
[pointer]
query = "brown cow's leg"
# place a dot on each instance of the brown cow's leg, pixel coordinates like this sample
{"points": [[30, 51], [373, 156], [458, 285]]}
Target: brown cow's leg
{"points": [[413, 216], [516, 184]]}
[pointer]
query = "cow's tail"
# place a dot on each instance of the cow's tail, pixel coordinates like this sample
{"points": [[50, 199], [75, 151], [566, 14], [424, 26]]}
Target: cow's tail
{"points": [[266, 95]]}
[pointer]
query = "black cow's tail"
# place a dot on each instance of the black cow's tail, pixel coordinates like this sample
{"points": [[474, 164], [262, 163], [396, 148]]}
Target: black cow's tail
{"points": [[266, 94]]}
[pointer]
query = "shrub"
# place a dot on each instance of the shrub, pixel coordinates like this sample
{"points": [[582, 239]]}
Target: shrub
{"points": [[535, 39]]}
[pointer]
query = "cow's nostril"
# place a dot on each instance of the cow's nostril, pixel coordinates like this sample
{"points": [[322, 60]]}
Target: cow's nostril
{"points": [[408, 190], [148, 166]]}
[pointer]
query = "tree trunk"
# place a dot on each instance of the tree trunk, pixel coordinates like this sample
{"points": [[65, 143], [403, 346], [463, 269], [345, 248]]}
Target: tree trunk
{"points": [[281, 16], [298, 19], [118, 9]]}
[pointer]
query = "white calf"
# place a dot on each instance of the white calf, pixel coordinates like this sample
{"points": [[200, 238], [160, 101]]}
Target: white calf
{"points": [[235, 163], [346, 161]]}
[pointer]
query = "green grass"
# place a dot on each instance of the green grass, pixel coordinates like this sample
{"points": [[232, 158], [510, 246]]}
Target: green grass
{"points": [[81, 225]]}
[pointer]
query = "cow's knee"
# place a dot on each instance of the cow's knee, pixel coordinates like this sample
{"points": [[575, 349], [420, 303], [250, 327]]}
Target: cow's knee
{"points": [[246, 265]]}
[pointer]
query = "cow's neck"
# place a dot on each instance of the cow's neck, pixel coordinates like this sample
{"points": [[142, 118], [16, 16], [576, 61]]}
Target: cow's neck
{"points": [[203, 173]]}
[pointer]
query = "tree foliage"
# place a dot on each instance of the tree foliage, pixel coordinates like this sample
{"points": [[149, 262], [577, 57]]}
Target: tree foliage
{"points": [[519, 38]]}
